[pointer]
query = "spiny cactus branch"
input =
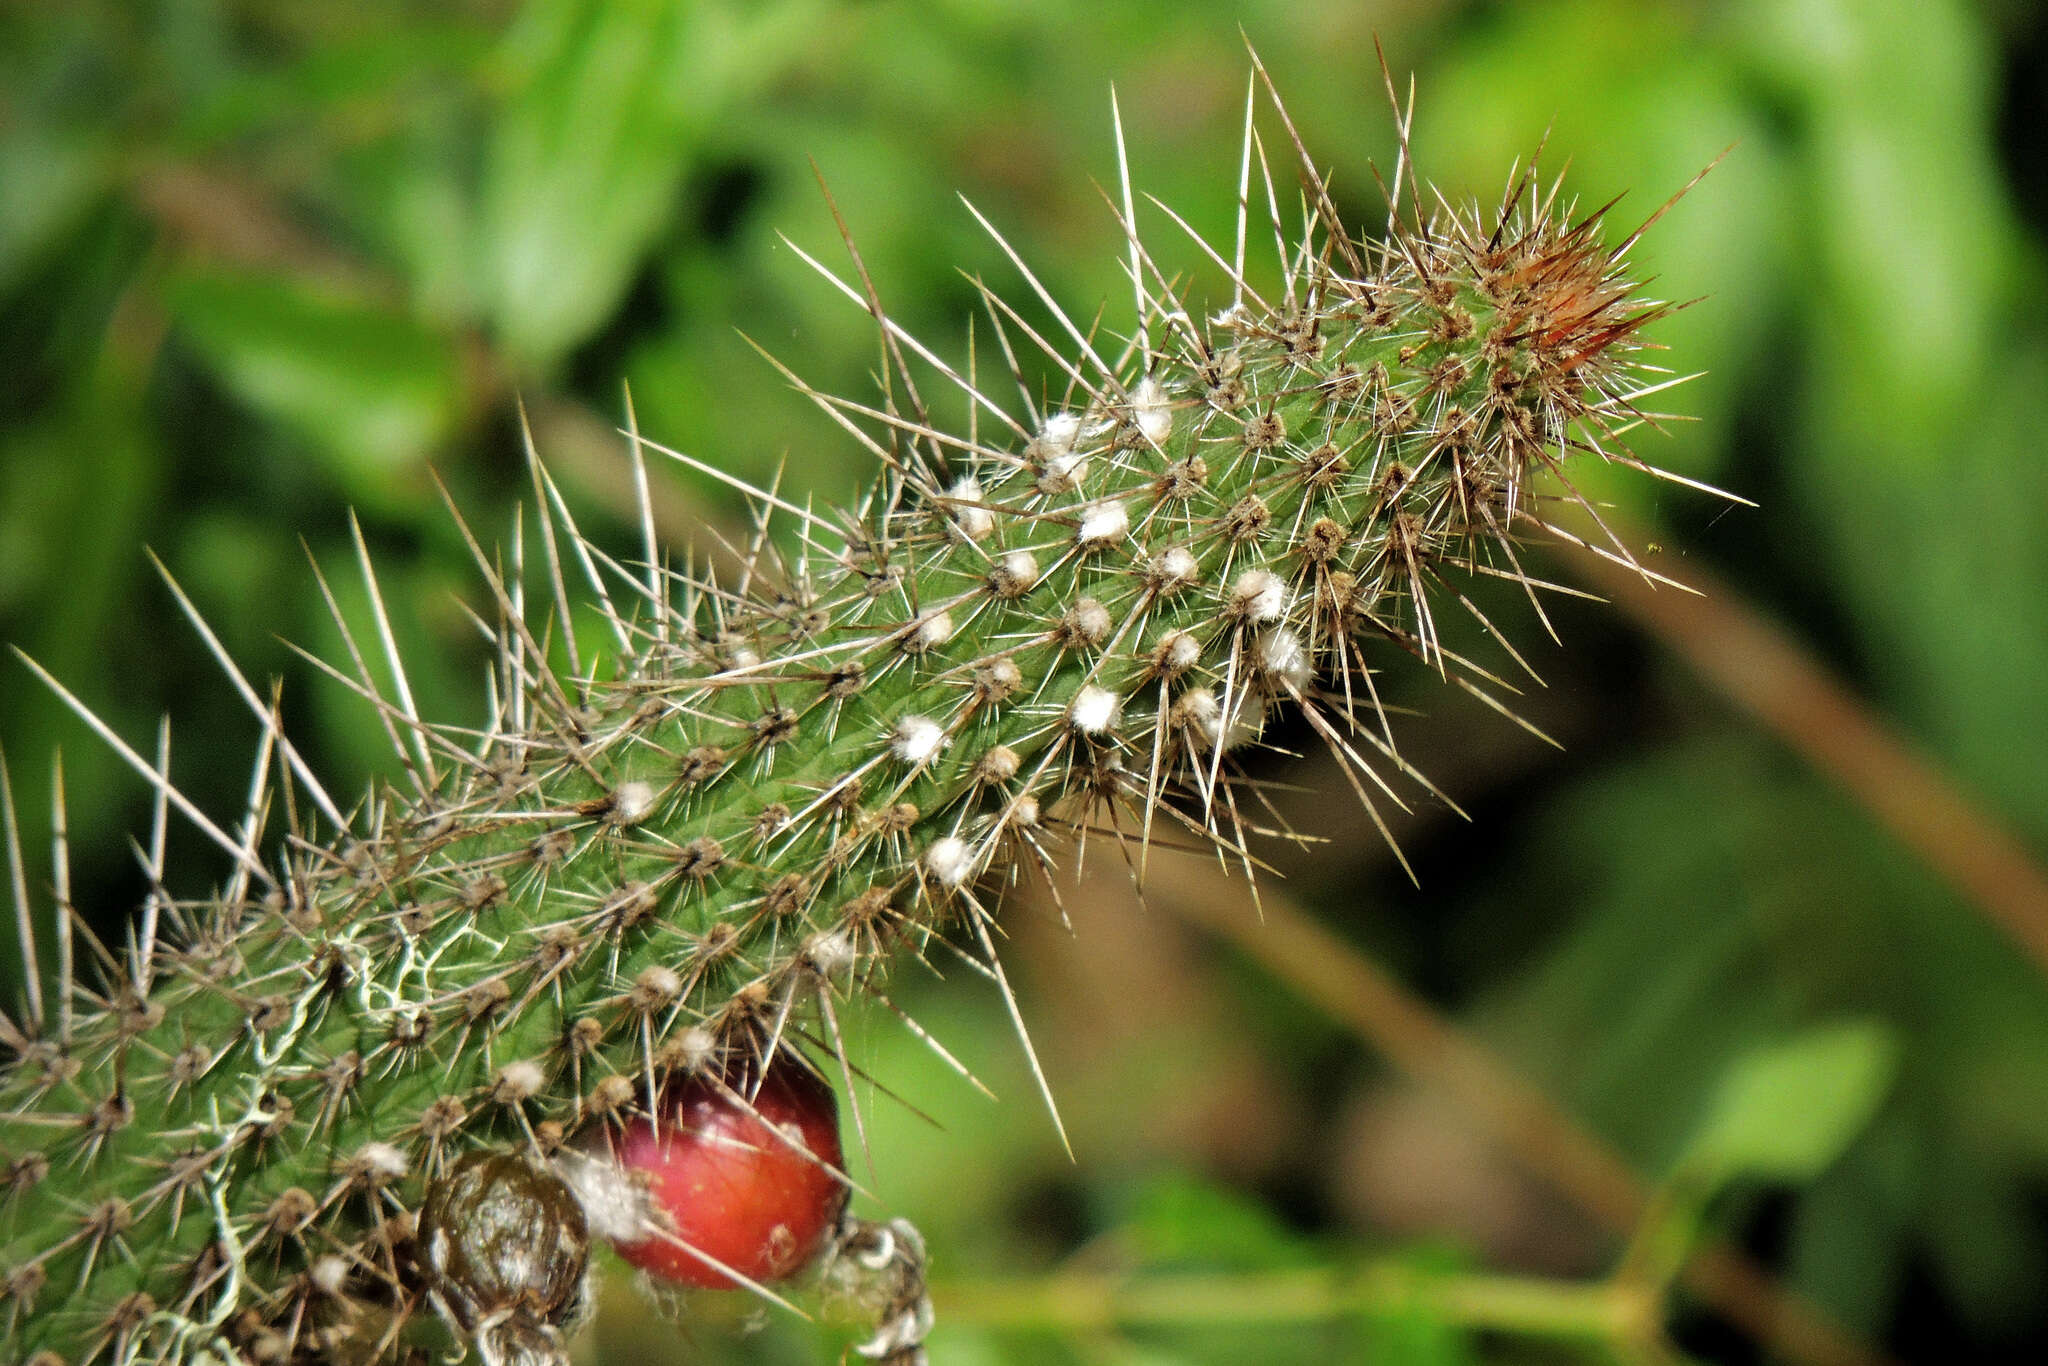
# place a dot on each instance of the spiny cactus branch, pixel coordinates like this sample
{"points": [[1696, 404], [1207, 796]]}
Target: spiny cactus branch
{"points": [[682, 859]]}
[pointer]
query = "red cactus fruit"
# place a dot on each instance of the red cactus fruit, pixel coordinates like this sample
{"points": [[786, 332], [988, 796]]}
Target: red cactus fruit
{"points": [[752, 1189]]}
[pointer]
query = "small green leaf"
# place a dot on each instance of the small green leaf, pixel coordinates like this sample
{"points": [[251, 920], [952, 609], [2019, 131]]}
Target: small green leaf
{"points": [[1178, 1219], [1786, 1112]]}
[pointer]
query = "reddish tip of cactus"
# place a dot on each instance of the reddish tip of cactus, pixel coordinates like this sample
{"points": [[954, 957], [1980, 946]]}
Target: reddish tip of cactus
{"points": [[757, 1200]]}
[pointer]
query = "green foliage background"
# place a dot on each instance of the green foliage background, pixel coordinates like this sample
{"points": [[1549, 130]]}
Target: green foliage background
{"points": [[264, 261]]}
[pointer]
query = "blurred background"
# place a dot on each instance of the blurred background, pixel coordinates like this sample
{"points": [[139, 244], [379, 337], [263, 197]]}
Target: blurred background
{"points": [[1721, 1033]]}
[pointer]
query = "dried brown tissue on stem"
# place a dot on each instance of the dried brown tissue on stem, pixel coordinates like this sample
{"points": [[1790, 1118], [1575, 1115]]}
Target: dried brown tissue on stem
{"points": [[670, 869]]}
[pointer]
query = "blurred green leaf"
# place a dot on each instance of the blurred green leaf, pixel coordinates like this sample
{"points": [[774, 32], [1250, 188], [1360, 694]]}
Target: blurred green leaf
{"points": [[367, 389], [1848, 1246], [1179, 1220], [1916, 449], [1410, 1333], [1416, 1339], [1786, 1112], [408, 193], [361, 76], [82, 476], [51, 180], [609, 101]]}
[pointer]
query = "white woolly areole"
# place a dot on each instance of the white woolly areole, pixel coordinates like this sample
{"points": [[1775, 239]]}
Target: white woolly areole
{"points": [[1021, 566], [932, 632], [1259, 596], [1065, 470], [1199, 709], [1150, 409], [975, 523], [830, 953], [1093, 710], [695, 1046], [1245, 722], [1282, 657], [950, 861], [1092, 621], [1102, 525], [329, 1273], [1174, 568], [1200, 712], [382, 1161], [1178, 651], [658, 982], [520, 1078], [1058, 435], [631, 803], [917, 739], [614, 1206]]}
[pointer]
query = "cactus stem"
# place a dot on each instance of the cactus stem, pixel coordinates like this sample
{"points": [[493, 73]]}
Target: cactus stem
{"points": [[684, 855]]}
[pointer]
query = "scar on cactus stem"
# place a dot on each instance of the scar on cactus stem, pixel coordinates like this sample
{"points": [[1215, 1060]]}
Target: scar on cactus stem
{"points": [[505, 1244], [254, 1138]]}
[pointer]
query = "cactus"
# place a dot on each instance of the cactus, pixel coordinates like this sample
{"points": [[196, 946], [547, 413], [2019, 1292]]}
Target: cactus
{"points": [[676, 861]]}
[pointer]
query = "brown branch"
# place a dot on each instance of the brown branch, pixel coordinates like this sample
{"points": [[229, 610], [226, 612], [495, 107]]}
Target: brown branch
{"points": [[1766, 671]]}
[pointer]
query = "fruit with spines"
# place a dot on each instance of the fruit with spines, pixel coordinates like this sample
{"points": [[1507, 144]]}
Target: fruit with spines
{"points": [[740, 1175], [652, 867]]}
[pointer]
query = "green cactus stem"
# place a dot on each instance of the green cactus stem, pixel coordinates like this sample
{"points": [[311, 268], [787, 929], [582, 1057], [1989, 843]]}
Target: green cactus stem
{"points": [[775, 787]]}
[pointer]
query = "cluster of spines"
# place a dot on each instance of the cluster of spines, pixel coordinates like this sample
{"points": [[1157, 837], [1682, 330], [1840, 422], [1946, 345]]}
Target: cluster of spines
{"points": [[782, 784]]}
